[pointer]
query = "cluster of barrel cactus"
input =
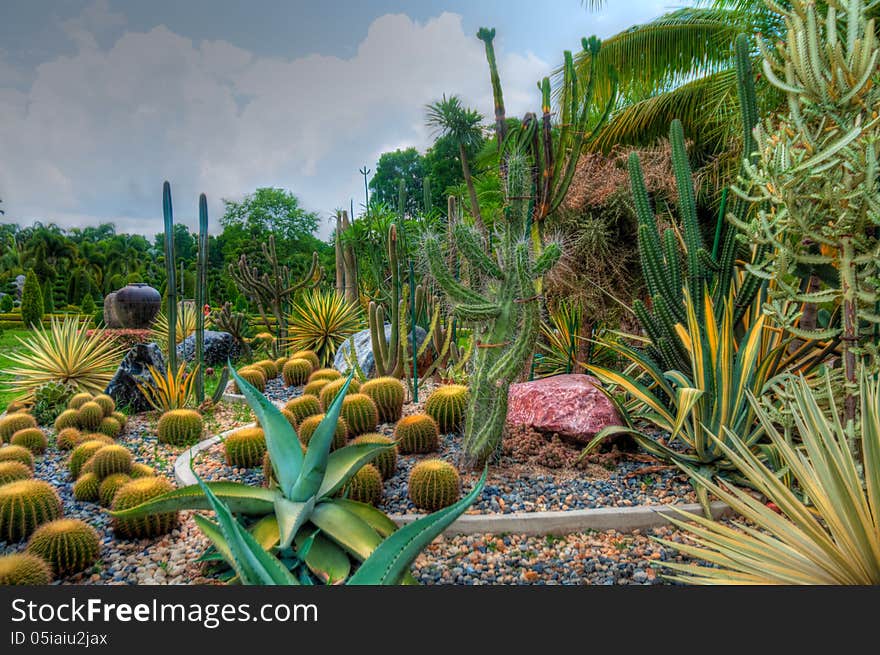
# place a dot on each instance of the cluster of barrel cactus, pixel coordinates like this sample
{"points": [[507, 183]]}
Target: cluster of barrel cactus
{"points": [[89, 413], [302, 407]]}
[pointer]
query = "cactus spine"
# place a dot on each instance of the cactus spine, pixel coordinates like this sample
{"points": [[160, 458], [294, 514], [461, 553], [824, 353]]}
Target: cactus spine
{"points": [[447, 405], [201, 300], [69, 545], [386, 461], [329, 390], [67, 438], [11, 470], [24, 569], [303, 407], [86, 487], [360, 413], [365, 486], [110, 460], [387, 392], [506, 316], [433, 484], [109, 486], [31, 438], [296, 372], [82, 454], [69, 418], [180, 427], [252, 375], [17, 454], [417, 433], [150, 525], [245, 448], [309, 424], [170, 279], [12, 423], [90, 415]]}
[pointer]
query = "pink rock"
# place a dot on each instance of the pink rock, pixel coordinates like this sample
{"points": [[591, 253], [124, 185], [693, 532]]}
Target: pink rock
{"points": [[570, 405]]}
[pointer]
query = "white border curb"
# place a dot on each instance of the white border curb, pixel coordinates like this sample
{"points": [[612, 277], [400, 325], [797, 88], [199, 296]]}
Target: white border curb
{"points": [[622, 519]]}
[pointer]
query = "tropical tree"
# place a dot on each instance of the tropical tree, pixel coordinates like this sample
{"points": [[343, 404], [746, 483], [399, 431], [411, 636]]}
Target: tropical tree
{"points": [[450, 118], [391, 168]]}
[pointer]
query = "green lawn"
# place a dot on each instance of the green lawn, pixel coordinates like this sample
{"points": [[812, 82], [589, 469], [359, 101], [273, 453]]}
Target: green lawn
{"points": [[8, 345]]}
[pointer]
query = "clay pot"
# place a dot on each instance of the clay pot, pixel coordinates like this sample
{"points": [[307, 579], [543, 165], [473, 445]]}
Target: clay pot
{"points": [[136, 305]]}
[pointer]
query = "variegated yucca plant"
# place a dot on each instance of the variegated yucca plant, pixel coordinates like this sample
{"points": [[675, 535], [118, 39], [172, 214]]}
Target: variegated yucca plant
{"points": [[710, 400], [831, 538], [186, 324], [169, 390], [64, 353], [301, 524], [321, 321]]}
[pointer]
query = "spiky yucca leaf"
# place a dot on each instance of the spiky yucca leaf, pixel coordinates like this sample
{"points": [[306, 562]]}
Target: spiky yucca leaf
{"points": [[186, 324], [169, 390], [320, 321], [62, 353], [835, 539]]}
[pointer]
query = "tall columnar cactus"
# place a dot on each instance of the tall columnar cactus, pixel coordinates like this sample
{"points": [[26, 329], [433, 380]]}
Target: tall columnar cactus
{"points": [[503, 308], [273, 291], [346, 260], [201, 300], [389, 355], [666, 269], [170, 273], [816, 173]]}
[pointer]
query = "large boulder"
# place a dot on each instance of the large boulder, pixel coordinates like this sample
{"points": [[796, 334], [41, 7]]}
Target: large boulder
{"points": [[123, 388], [363, 348], [219, 347], [111, 320], [571, 406]]}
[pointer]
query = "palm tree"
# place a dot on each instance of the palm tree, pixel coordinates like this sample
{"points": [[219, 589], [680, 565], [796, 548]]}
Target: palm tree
{"points": [[450, 118], [681, 65]]}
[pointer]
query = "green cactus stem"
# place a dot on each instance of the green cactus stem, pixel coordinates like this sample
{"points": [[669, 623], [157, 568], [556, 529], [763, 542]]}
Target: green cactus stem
{"points": [[170, 276], [201, 299]]}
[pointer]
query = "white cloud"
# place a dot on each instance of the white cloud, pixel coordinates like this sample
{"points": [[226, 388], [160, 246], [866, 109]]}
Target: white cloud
{"points": [[97, 132]]}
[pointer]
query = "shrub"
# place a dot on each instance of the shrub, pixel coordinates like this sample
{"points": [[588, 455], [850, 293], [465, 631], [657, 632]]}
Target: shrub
{"points": [[365, 486], [447, 405], [12, 470], [308, 426], [31, 301], [387, 393], [88, 305], [111, 459], [6, 303], [90, 415], [64, 353], [180, 427], [328, 391], [68, 545], [67, 438], [433, 484], [25, 505], [12, 423], [85, 489], [245, 448], [303, 407], [417, 433], [296, 372], [17, 454], [50, 400], [385, 462], [24, 569], [34, 439], [134, 493], [82, 454], [360, 414], [109, 486]]}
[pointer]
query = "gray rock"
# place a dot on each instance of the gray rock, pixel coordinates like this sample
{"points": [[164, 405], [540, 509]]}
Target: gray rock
{"points": [[219, 346], [133, 371], [363, 348]]}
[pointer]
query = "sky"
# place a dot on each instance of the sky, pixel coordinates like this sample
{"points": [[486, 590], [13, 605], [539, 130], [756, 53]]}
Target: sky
{"points": [[103, 100]]}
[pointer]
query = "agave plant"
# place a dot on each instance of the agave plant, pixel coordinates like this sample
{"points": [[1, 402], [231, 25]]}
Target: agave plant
{"points": [[321, 321], [186, 323], [303, 501], [65, 353], [832, 538], [169, 390], [711, 400], [560, 343]]}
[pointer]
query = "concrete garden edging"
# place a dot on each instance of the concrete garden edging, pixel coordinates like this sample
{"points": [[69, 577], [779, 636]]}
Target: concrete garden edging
{"points": [[621, 519]]}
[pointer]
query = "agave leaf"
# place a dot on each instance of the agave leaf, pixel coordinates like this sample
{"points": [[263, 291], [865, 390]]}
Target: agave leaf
{"points": [[290, 516], [212, 531], [342, 464], [393, 557], [241, 499], [265, 531], [377, 519], [324, 558], [251, 562], [281, 440], [348, 530], [314, 465]]}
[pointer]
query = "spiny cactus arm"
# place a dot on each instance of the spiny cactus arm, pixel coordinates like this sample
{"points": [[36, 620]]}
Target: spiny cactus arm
{"points": [[651, 259], [477, 313], [688, 210], [457, 292], [170, 273], [310, 279], [546, 260], [673, 261], [470, 245], [487, 35], [510, 363], [385, 355], [201, 289]]}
